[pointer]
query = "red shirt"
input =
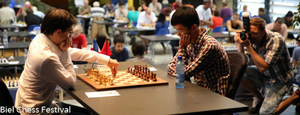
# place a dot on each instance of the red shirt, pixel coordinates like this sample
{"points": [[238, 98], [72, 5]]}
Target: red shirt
{"points": [[79, 42], [217, 21]]}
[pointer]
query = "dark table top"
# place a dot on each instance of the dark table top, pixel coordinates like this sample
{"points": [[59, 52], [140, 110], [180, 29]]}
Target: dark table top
{"points": [[158, 38], [5, 26], [15, 45], [134, 29], [18, 34], [155, 100], [222, 35], [109, 23], [20, 59]]}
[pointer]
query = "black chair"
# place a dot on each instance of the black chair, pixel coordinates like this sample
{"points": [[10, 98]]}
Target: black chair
{"points": [[5, 98], [238, 65]]}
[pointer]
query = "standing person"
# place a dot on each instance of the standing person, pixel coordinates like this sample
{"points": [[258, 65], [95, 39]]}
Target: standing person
{"points": [[225, 13], [155, 6], [119, 52], [49, 63], [78, 39], [269, 67], [296, 59], [245, 9], [85, 10], [278, 26], [288, 18], [204, 57], [204, 13], [261, 14]]}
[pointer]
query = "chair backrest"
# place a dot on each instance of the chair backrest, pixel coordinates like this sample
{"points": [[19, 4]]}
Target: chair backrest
{"points": [[238, 64], [30, 28], [218, 29]]}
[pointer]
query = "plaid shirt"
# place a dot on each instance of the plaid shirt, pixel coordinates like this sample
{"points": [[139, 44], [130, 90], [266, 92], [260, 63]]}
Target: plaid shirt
{"points": [[275, 53], [207, 61]]}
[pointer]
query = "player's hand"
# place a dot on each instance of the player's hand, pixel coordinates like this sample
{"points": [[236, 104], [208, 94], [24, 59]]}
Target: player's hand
{"points": [[113, 65], [63, 46], [185, 40]]}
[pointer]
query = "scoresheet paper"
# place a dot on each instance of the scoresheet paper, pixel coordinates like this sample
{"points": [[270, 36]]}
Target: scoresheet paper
{"points": [[102, 94]]}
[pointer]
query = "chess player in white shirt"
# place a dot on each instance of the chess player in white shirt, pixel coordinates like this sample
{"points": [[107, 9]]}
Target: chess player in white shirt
{"points": [[49, 63], [204, 14], [146, 19]]}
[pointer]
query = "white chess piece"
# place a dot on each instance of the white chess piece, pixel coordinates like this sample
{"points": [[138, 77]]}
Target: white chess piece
{"points": [[4, 60]]}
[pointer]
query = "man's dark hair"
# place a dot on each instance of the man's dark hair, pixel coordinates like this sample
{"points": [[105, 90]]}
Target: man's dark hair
{"points": [[28, 10], [279, 20], [261, 10], [119, 39], [186, 16], [138, 48], [224, 4], [121, 3], [57, 19], [216, 13], [100, 40], [161, 18], [289, 14]]}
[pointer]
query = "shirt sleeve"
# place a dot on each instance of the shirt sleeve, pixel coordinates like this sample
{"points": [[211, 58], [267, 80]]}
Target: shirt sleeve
{"points": [[273, 51], [61, 74], [172, 63], [89, 56], [200, 15]]}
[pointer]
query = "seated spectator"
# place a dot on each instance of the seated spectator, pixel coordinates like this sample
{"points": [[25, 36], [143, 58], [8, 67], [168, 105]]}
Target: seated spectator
{"points": [[96, 10], [100, 40], [261, 14], [32, 19], [139, 50], [155, 6], [278, 26], [161, 27], [288, 18], [19, 15], [235, 24], [296, 59], [109, 8], [217, 20], [78, 39], [177, 4], [142, 6], [7, 14], [121, 12], [146, 19], [226, 13], [38, 13], [132, 15], [119, 52]]}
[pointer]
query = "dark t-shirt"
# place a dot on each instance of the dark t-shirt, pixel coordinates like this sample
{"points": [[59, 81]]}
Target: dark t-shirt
{"points": [[32, 19], [122, 56], [266, 17]]}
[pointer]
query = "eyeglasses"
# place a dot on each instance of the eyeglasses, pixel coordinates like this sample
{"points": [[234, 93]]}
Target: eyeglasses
{"points": [[70, 34]]}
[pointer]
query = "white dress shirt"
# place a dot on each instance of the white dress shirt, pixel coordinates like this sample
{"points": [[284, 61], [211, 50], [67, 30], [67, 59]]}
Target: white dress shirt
{"points": [[143, 19], [46, 67], [204, 15]]}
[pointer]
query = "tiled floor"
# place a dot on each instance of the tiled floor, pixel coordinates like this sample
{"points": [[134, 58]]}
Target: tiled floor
{"points": [[161, 61]]}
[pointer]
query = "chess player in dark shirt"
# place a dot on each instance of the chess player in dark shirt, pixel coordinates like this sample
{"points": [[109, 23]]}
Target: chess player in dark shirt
{"points": [[261, 14], [118, 50], [32, 19]]}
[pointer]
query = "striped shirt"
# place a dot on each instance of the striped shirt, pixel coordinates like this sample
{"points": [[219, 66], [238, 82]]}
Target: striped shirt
{"points": [[207, 61], [275, 53]]}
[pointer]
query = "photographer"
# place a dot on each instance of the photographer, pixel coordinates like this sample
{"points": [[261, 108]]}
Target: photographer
{"points": [[269, 67]]}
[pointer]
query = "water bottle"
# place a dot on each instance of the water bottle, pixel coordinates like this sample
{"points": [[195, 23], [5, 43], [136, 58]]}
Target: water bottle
{"points": [[5, 38], [25, 55], [149, 52], [180, 73]]}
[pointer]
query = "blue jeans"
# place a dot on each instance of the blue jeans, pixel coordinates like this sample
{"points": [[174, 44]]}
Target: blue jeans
{"points": [[273, 92]]}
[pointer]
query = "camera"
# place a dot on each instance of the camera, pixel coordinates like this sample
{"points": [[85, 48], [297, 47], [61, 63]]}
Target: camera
{"points": [[246, 25]]}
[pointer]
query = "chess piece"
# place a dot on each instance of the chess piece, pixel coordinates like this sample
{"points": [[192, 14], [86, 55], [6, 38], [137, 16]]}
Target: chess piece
{"points": [[154, 77], [128, 71], [9, 81]]}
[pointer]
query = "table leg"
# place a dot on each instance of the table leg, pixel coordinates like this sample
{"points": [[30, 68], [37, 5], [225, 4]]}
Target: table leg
{"points": [[16, 70], [152, 50]]}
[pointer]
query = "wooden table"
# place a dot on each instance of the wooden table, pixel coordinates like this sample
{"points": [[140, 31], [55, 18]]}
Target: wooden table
{"points": [[155, 100]]}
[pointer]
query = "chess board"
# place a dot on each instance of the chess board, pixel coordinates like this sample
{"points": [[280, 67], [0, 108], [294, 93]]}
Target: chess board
{"points": [[122, 80]]}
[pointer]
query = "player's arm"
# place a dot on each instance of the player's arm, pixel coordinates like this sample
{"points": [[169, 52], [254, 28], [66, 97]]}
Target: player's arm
{"points": [[172, 64], [203, 60], [89, 56]]}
